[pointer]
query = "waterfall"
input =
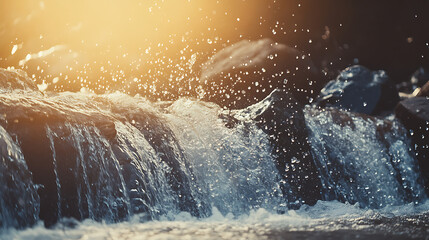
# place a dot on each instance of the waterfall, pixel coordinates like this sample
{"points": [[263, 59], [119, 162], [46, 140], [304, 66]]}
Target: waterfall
{"points": [[368, 161], [110, 157], [19, 202], [88, 175], [233, 168]]}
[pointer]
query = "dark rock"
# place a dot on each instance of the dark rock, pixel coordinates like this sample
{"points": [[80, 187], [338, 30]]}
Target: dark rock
{"points": [[281, 117], [74, 177], [139, 200], [19, 201], [357, 89], [107, 129], [246, 72], [38, 155], [164, 142], [414, 115], [62, 159]]}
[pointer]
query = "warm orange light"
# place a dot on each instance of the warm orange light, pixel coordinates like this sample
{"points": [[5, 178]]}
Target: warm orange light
{"points": [[133, 46]]}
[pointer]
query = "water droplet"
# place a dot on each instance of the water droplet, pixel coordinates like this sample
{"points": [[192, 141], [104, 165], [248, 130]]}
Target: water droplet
{"points": [[14, 48]]}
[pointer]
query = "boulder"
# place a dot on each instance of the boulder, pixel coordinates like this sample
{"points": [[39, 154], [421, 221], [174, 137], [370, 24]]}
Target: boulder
{"points": [[281, 117], [414, 115], [357, 89], [246, 72]]}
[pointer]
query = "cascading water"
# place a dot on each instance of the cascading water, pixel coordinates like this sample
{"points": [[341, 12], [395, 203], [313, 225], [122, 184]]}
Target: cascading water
{"points": [[220, 119], [88, 176], [161, 160], [112, 157], [19, 202], [181, 157], [233, 168], [363, 160]]}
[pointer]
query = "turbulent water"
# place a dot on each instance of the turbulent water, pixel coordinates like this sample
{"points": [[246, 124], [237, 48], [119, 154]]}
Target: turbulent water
{"points": [[136, 169], [325, 220]]}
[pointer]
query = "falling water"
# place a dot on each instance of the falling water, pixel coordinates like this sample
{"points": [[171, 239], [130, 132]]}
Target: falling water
{"points": [[364, 160], [19, 202], [114, 157]]}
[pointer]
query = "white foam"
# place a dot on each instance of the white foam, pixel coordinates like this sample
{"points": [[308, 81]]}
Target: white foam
{"points": [[258, 224]]}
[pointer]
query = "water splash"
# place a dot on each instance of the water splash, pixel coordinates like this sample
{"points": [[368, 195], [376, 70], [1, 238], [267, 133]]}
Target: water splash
{"points": [[111, 157], [233, 167], [359, 159]]}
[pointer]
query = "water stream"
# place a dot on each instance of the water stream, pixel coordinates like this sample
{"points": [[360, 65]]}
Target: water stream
{"points": [[129, 167]]}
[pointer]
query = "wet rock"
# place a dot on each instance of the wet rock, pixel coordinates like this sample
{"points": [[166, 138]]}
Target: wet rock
{"points": [[38, 155], [19, 202], [165, 144], [107, 129], [77, 181], [246, 72], [358, 89], [16, 80], [414, 115], [140, 202], [58, 143], [282, 118]]}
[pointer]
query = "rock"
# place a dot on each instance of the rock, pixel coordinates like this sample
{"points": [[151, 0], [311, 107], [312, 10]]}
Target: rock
{"points": [[19, 202], [414, 115], [16, 80], [358, 89], [165, 144], [281, 117], [57, 145], [35, 146], [107, 129], [246, 72], [424, 91]]}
